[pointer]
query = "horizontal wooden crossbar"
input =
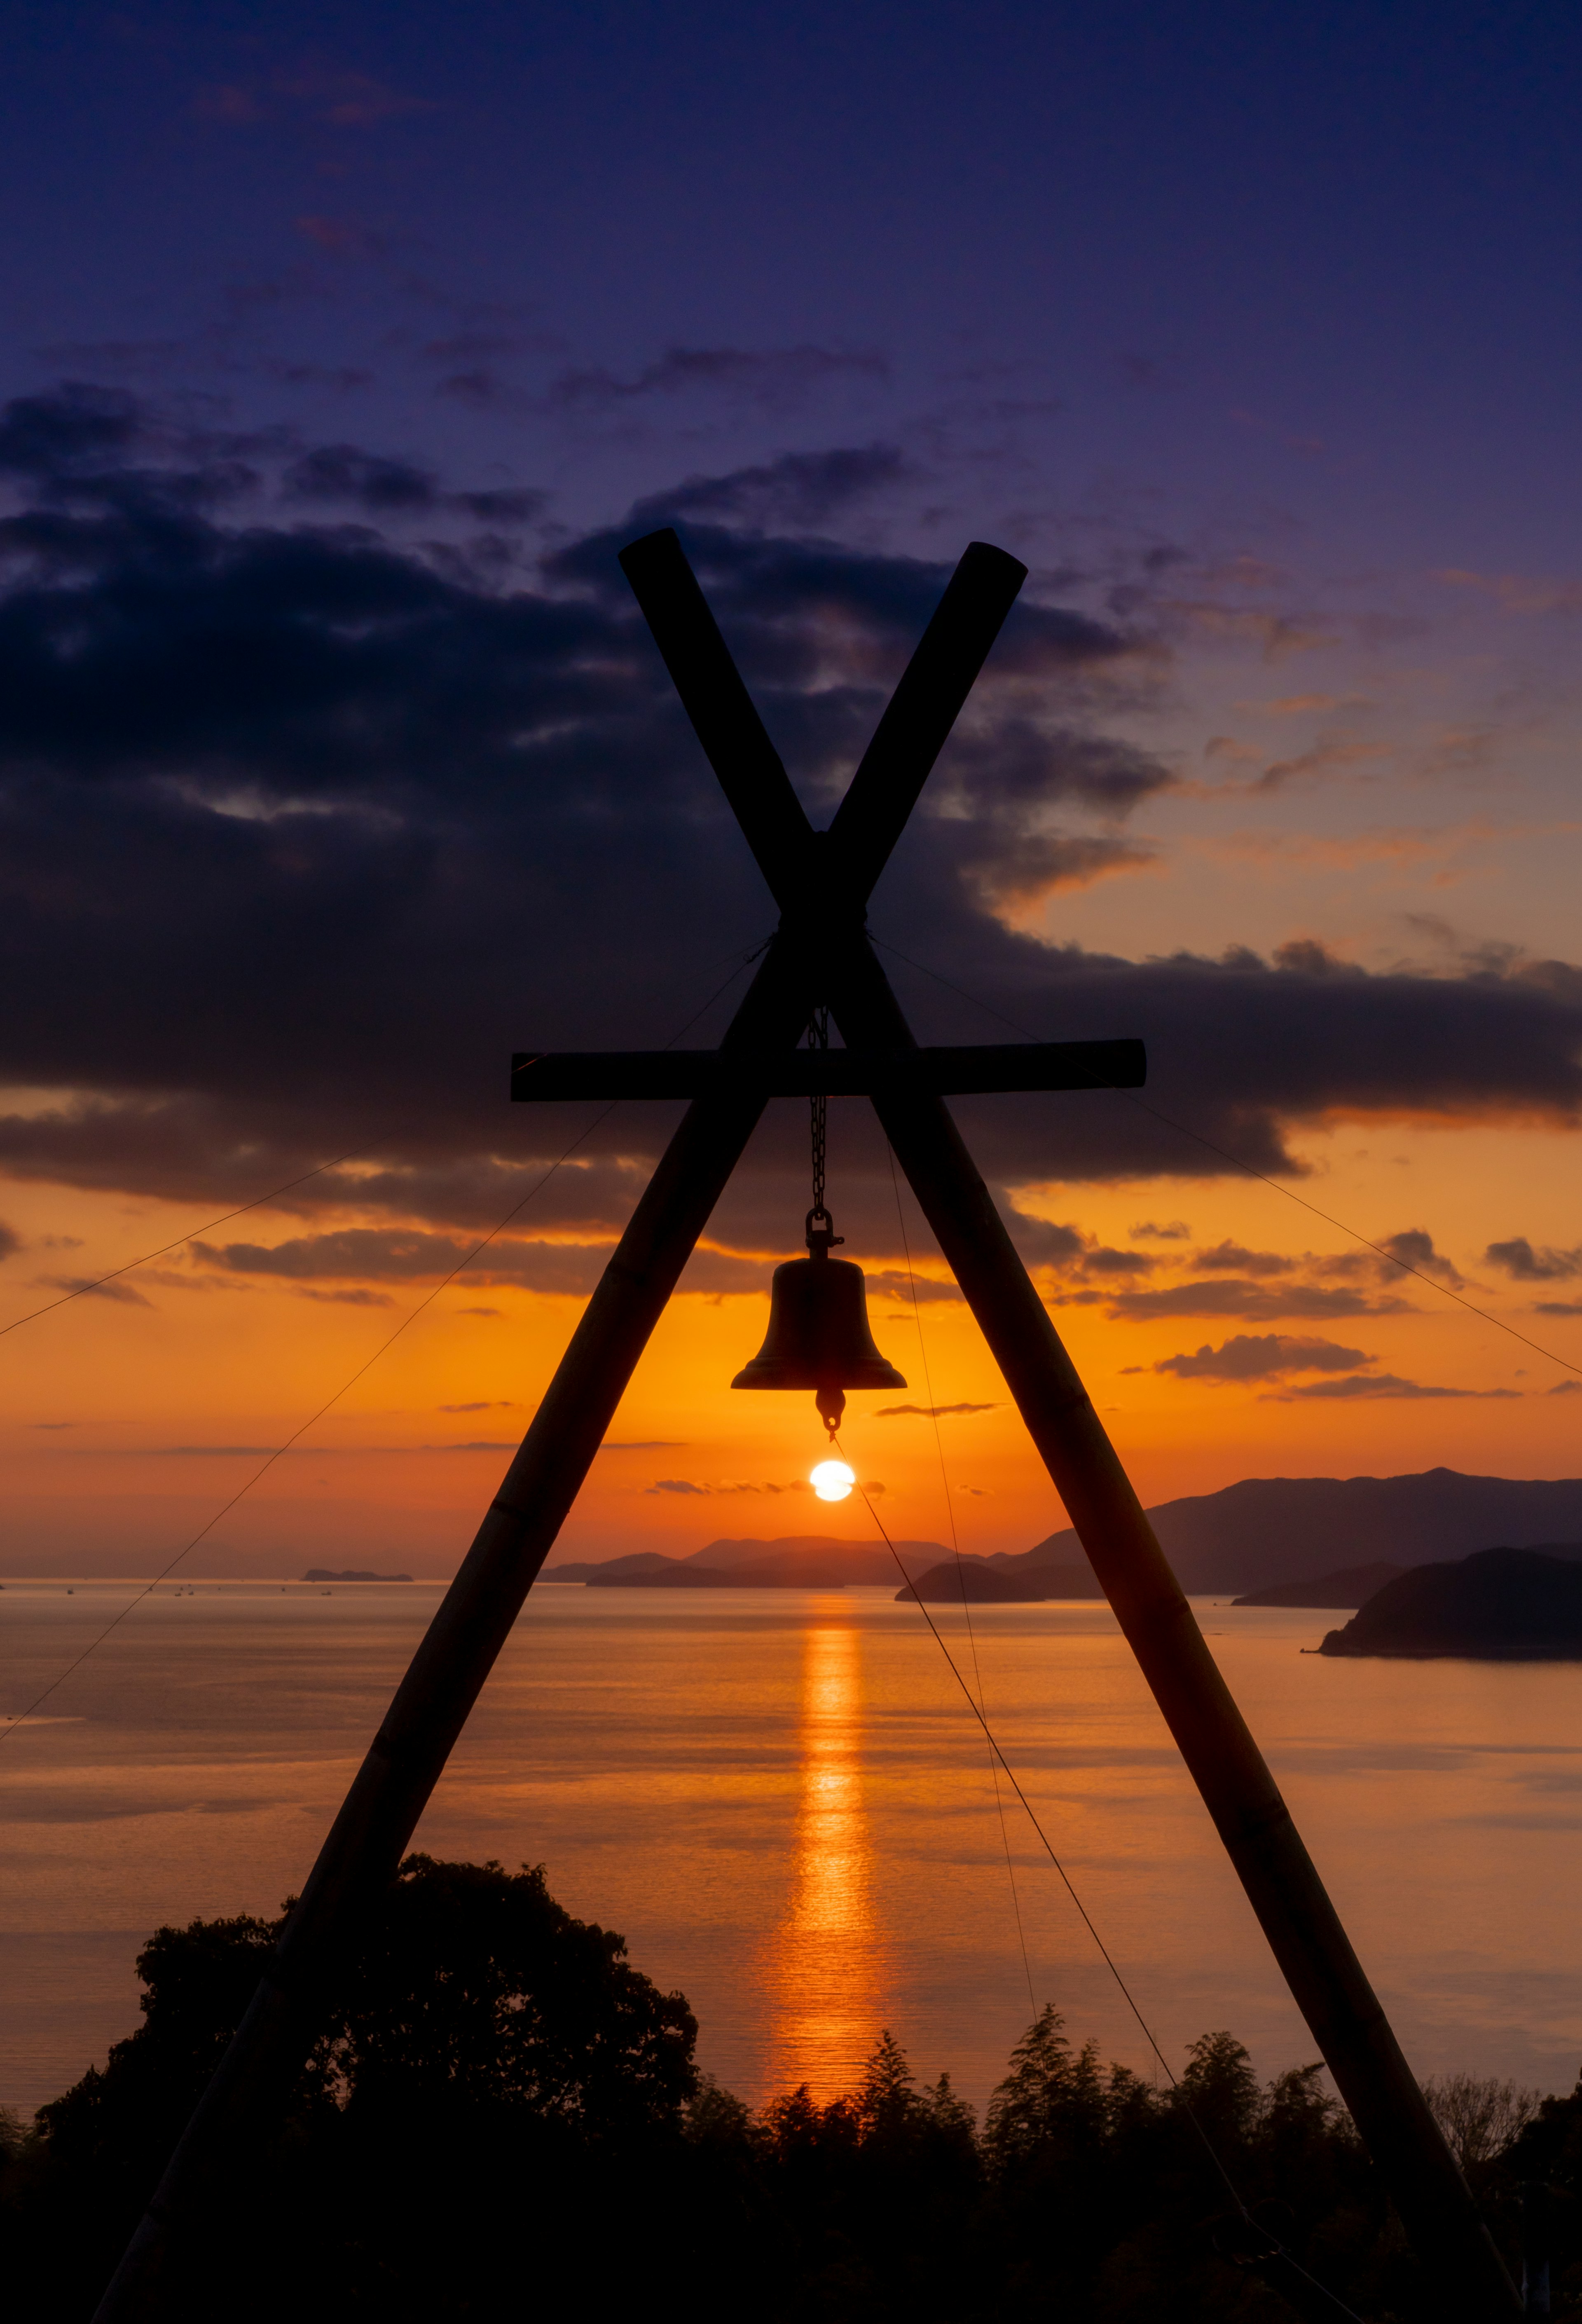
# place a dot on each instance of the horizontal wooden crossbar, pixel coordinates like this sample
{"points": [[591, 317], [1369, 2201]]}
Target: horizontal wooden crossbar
{"points": [[544, 1077]]}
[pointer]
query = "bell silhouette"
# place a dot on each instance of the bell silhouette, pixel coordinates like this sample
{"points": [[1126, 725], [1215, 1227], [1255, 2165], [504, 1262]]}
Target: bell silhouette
{"points": [[818, 1336]]}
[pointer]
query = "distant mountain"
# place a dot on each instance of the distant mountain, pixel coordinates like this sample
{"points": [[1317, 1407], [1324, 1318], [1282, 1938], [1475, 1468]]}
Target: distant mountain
{"points": [[800, 1561], [770, 1575], [977, 1585], [1270, 1529], [641, 1561], [1353, 1586], [1502, 1605], [323, 1573]]}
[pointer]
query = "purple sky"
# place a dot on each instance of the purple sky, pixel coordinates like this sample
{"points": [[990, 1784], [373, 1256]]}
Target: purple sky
{"points": [[342, 349]]}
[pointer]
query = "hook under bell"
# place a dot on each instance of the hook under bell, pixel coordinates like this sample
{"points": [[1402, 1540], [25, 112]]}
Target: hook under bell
{"points": [[818, 1336]]}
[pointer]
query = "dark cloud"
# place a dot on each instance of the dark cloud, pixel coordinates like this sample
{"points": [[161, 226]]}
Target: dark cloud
{"points": [[10, 1239], [84, 1287], [340, 471], [1257, 1301], [928, 1411], [381, 1254], [1415, 1248], [343, 473], [1522, 1264], [1045, 1242], [917, 1290], [1381, 1386], [800, 489], [1177, 1230], [1228, 1258], [1268, 1355], [302, 831], [772, 378]]}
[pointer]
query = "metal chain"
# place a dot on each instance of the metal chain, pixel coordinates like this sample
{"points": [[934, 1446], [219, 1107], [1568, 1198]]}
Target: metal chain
{"points": [[818, 1037]]}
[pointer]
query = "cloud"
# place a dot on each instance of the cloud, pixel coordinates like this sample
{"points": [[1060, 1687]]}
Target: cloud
{"points": [[1256, 1302], [1565, 1387], [1177, 1231], [1229, 1258], [342, 473], [772, 378], [1415, 1248], [799, 488], [1382, 1385], [354, 1295], [730, 1485], [921, 1290], [1557, 1307], [338, 99], [10, 1239], [1522, 1264], [84, 1287], [305, 827], [1045, 1242], [1266, 1356], [490, 1404], [416, 1255], [929, 1411]]}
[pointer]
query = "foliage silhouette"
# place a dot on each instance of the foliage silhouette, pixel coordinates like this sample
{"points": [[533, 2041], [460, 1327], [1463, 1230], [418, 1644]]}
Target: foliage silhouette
{"points": [[502, 2115]]}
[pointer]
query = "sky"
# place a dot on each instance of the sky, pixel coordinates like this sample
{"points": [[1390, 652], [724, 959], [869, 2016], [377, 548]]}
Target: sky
{"points": [[342, 351]]}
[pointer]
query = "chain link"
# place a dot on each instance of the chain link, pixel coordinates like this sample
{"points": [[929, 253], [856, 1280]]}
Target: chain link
{"points": [[818, 1037]]}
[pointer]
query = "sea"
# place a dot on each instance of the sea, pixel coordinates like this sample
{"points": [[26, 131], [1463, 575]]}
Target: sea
{"points": [[784, 1802]]}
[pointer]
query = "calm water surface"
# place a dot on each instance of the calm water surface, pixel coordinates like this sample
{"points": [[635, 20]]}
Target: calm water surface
{"points": [[780, 1798]]}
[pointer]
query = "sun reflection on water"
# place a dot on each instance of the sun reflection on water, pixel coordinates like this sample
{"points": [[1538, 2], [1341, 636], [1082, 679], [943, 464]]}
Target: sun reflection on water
{"points": [[824, 1960]]}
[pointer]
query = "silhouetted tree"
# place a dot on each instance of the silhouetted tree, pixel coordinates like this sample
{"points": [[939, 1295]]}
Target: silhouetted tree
{"points": [[503, 2113]]}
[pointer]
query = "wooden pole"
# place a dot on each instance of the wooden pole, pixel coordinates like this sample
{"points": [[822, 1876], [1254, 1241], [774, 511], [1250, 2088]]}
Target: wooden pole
{"points": [[368, 1839], [1282, 1886]]}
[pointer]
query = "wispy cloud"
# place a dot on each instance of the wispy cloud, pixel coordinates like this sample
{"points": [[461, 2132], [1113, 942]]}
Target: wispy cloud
{"points": [[1269, 1355], [1523, 1264], [930, 1411]]}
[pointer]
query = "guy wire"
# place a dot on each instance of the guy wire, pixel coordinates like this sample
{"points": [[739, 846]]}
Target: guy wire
{"points": [[960, 1575], [1087, 1920], [81, 1290], [14, 1720], [1251, 1169], [1273, 2247]]}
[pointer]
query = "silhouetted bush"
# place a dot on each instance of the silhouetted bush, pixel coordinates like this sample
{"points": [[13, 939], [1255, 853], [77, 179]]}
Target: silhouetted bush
{"points": [[503, 2116]]}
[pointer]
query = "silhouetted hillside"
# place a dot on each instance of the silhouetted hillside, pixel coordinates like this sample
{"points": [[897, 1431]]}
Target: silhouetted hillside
{"points": [[1502, 1605], [977, 1584], [1354, 1585], [1270, 1529], [795, 1561]]}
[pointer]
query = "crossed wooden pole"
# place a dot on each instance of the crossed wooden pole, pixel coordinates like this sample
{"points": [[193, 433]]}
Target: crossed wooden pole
{"points": [[821, 957]]}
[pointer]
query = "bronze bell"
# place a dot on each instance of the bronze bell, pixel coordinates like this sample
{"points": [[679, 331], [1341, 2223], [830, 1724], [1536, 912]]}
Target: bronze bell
{"points": [[818, 1336]]}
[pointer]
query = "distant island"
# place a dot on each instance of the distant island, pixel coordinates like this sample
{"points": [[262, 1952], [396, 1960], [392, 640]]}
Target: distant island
{"points": [[767, 1576], [797, 1561], [976, 1584], [1354, 1585], [1500, 1605], [323, 1573]]}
